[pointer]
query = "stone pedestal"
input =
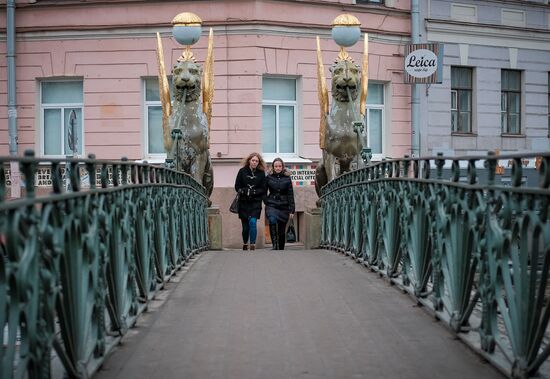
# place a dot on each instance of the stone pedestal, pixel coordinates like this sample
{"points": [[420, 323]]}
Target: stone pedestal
{"points": [[215, 228], [313, 228]]}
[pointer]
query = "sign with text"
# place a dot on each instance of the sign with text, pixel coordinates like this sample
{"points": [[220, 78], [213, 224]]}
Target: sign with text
{"points": [[424, 63], [302, 174]]}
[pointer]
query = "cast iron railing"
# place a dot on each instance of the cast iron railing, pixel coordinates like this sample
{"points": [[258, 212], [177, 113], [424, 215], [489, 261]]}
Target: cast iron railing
{"points": [[472, 243], [77, 267]]}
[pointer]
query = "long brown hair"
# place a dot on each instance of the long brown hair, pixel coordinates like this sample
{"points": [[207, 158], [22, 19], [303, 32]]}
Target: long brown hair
{"points": [[272, 168], [261, 164]]}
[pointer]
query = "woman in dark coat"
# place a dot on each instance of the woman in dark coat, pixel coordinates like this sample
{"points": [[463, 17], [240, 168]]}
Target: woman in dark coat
{"points": [[250, 184], [279, 203]]}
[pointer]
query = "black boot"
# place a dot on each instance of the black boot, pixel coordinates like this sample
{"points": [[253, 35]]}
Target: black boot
{"points": [[281, 226], [274, 236]]}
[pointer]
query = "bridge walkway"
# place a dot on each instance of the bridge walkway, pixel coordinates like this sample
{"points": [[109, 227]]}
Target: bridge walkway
{"points": [[290, 314]]}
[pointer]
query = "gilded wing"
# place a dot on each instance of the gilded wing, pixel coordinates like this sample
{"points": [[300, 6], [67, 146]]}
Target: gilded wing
{"points": [[208, 82], [323, 95], [164, 93], [364, 77]]}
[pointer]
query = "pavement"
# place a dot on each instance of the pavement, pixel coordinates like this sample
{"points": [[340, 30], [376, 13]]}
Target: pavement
{"points": [[288, 314]]}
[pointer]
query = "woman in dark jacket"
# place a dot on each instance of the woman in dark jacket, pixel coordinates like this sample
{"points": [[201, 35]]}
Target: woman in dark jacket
{"points": [[250, 184], [279, 203]]}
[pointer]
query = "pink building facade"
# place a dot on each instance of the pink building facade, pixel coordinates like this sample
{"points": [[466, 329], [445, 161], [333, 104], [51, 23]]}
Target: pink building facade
{"points": [[99, 59]]}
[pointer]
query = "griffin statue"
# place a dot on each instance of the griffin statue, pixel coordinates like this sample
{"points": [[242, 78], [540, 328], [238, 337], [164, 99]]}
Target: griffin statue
{"points": [[341, 132], [186, 122]]}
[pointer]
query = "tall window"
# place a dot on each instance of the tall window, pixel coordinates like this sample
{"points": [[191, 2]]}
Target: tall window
{"points": [[548, 104], [154, 142], [279, 115], [375, 117], [461, 99], [510, 101], [61, 117]]}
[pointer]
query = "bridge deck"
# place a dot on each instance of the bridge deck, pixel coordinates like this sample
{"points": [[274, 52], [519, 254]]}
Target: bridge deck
{"points": [[291, 314]]}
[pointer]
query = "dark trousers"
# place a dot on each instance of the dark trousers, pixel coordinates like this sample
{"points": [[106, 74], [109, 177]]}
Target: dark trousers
{"points": [[277, 231]]}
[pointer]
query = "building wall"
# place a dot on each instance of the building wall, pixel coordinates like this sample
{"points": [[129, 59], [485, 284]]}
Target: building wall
{"points": [[112, 48], [488, 43]]}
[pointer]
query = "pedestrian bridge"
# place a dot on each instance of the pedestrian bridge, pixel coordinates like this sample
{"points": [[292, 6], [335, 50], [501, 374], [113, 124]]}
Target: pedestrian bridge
{"points": [[433, 267]]}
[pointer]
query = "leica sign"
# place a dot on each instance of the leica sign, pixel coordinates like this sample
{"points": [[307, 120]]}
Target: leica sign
{"points": [[423, 63]]}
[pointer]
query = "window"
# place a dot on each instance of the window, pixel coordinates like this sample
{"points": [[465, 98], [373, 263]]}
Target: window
{"points": [[61, 117], [369, 1], [278, 115], [461, 99], [375, 118], [548, 104], [154, 139], [510, 101]]}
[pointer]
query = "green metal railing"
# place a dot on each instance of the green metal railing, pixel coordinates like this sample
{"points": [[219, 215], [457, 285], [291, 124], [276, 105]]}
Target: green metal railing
{"points": [[472, 243], [77, 267]]}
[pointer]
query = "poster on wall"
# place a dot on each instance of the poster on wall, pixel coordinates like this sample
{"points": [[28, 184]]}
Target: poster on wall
{"points": [[302, 174], [424, 63]]}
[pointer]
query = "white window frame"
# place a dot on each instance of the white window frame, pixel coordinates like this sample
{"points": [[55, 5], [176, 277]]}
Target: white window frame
{"points": [[61, 106], [504, 94], [151, 157], [454, 94], [382, 107], [287, 157]]}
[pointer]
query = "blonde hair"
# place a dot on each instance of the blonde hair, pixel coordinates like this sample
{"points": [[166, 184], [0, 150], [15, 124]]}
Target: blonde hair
{"points": [[261, 164]]}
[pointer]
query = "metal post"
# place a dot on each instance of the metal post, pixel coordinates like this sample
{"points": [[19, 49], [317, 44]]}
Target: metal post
{"points": [[415, 101]]}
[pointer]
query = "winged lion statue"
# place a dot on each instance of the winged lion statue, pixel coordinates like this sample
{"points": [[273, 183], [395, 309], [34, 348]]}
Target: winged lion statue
{"points": [[186, 122]]}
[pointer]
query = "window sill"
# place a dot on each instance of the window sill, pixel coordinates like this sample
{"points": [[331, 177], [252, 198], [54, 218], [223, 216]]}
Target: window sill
{"points": [[287, 158], [462, 134], [508, 135], [151, 160]]}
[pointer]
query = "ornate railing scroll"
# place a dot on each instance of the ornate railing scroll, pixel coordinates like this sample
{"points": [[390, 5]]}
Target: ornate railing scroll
{"points": [[77, 267], [467, 236]]}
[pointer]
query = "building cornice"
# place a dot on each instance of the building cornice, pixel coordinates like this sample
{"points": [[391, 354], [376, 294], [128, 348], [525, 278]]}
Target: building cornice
{"points": [[487, 35], [250, 28], [349, 7]]}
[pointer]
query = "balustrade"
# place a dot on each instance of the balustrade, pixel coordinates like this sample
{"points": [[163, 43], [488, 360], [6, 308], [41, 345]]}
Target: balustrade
{"points": [[469, 237], [79, 265]]}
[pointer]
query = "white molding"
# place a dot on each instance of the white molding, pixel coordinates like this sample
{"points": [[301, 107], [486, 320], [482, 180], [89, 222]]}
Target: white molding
{"points": [[487, 35], [512, 17], [459, 12], [513, 53], [143, 32], [463, 50]]}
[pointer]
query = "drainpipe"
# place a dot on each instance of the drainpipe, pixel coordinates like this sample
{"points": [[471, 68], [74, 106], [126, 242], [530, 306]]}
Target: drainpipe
{"points": [[415, 101], [12, 106]]}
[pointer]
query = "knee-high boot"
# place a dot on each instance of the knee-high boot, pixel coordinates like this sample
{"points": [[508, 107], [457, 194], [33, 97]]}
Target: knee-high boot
{"points": [[274, 236], [282, 234]]}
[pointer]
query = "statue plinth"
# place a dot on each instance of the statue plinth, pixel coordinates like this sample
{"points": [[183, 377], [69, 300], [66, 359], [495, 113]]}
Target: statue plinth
{"points": [[313, 228], [215, 228]]}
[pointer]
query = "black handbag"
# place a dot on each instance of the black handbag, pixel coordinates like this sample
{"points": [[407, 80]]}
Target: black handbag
{"points": [[234, 207], [291, 232]]}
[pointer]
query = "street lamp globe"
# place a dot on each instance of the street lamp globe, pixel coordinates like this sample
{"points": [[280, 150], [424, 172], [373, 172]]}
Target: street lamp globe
{"points": [[186, 28], [345, 30]]}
